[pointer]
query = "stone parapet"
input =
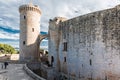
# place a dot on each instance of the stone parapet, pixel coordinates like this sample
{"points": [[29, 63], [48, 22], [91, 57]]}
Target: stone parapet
{"points": [[29, 8], [32, 74]]}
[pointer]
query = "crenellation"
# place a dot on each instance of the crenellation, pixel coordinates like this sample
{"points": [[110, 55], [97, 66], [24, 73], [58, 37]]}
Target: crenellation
{"points": [[29, 8]]}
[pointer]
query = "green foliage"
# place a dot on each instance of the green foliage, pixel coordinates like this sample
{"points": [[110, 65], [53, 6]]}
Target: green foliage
{"points": [[7, 49]]}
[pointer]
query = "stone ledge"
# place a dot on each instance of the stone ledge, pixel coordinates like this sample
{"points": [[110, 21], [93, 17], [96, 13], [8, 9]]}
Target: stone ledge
{"points": [[32, 74]]}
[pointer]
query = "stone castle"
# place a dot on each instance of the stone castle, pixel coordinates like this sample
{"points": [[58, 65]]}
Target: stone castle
{"points": [[83, 48]]}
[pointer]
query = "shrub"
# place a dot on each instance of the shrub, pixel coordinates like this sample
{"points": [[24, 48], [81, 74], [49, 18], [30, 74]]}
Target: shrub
{"points": [[7, 49]]}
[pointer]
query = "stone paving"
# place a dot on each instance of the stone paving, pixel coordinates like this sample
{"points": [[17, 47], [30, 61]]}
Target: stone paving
{"points": [[13, 72]]}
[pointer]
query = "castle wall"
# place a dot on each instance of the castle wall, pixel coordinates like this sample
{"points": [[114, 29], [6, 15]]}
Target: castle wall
{"points": [[93, 46], [54, 44]]}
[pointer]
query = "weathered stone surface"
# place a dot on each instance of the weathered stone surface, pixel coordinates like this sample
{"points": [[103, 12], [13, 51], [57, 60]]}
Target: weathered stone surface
{"points": [[93, 45], [29, 32]]}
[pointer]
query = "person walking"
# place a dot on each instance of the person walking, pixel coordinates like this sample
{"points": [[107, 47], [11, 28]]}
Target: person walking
{"points": [[5, 64], [2, 65]]}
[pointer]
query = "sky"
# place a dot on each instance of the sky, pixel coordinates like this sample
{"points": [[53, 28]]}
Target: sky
{"points": [[9, 14]]}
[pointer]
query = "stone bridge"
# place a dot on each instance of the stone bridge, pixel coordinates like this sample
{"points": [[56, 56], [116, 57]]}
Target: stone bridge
{"points": [[43, 37]]}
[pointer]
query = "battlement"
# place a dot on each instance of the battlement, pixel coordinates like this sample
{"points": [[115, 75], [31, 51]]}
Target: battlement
{"points": [[29, 7], [58, 19]]}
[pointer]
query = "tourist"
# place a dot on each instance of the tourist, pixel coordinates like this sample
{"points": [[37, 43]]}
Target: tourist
{"points": [[2, 65], [5, 64]]}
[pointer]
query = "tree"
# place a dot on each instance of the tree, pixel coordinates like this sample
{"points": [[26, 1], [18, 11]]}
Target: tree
{"points": [[7, 49]]}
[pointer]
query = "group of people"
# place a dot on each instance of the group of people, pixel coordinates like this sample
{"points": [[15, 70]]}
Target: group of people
{"points": [[4, 65]]}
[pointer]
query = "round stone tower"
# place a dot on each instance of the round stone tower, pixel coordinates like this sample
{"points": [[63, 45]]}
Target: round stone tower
{"points": [[29, 32]]}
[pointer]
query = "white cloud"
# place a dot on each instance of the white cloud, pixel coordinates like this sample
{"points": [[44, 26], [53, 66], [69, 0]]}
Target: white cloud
{"points": [[5, 35], [9, 14], [52, 8]]}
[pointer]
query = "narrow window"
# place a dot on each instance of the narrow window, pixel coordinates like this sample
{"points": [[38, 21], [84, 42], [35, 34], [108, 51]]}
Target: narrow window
{"points": [[90, 62], [52, 59], [64, 59], [24, 17], [91, 53], [105, 77], [23, 42], [32, 29], [65, 46]]}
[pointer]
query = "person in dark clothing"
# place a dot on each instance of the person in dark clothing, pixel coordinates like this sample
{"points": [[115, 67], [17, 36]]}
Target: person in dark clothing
{"points": [[5, 64], [2, 65]]}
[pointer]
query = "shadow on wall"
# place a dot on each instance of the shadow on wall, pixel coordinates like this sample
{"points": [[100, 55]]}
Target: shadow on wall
{"points": [[30, 53]]}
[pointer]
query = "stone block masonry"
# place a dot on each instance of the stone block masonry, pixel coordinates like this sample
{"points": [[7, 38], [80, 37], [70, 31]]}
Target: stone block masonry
{"points": [[29, 32], [87, 47]]}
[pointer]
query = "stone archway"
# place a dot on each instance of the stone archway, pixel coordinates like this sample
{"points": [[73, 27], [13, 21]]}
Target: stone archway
{"points": [[42, 52], [43, 37]]}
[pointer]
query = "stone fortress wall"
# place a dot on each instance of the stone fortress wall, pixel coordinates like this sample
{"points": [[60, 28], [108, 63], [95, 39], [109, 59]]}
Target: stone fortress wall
{"points": [[29, 32], [86, 47]]}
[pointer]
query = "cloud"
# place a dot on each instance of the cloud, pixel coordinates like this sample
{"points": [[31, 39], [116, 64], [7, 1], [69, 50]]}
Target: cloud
{"points": [[70, 8], [5, 35], [14, 43], [9, 14], [50, 9], [9, 30]]}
